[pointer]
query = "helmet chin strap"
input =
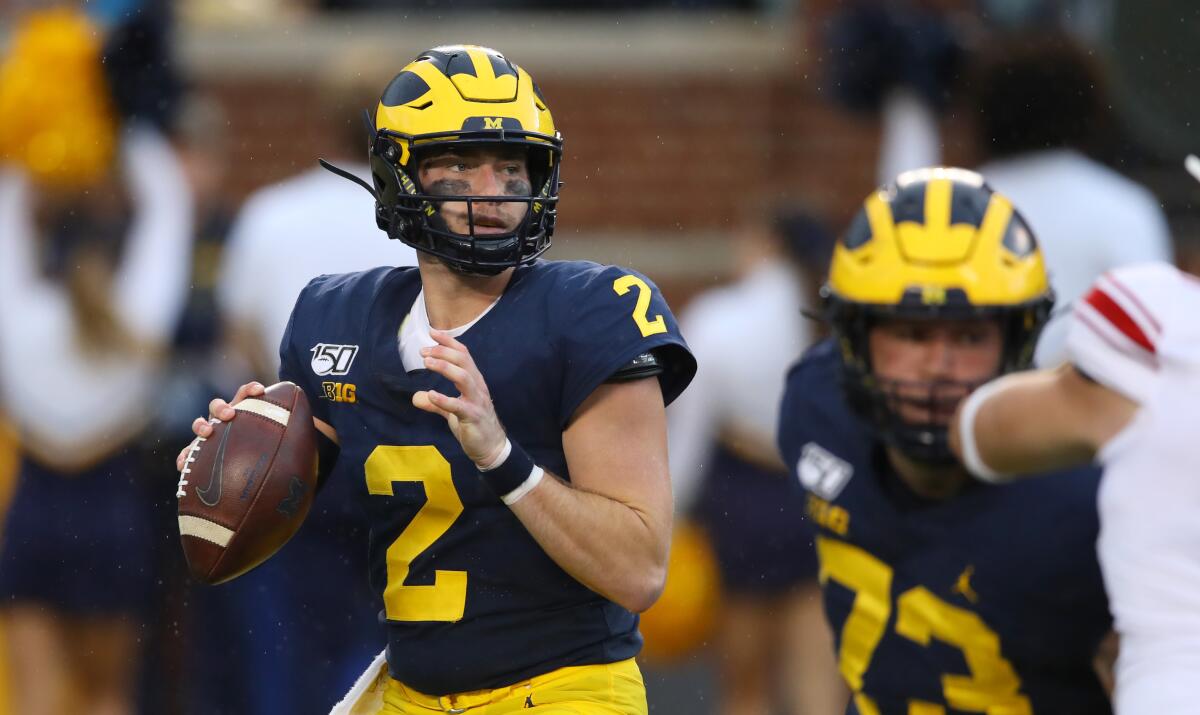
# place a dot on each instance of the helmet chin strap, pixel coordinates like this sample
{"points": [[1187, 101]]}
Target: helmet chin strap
{"points": [[934, 453], [347, 175]]}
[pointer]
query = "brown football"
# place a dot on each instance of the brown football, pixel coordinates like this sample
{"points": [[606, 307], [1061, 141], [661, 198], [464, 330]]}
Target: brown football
{"points": [[245, 490]]}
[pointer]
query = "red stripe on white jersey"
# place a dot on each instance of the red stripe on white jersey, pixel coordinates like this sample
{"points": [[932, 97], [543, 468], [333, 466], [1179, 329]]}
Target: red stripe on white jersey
{"points": [[1116, 316], [1120, 343], [1133, 305]]}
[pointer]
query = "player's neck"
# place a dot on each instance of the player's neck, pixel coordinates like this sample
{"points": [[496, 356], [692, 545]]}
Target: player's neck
{"points": [[453, 299], [925, 480]]}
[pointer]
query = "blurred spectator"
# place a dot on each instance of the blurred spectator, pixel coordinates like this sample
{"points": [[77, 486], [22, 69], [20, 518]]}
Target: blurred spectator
{"points": [[772, 638], [321, 622], [203, 146], [898, 59], [204, 149], [93, 266], [1036, 99], [138, 60]]}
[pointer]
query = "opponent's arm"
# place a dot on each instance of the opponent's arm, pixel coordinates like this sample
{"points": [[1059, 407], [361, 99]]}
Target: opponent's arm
{"points": [[1031, 422], [610, 527]]}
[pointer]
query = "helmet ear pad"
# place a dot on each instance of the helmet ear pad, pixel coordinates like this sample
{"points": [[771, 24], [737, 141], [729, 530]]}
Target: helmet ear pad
{"points": [[385, 175], [398, 211]]}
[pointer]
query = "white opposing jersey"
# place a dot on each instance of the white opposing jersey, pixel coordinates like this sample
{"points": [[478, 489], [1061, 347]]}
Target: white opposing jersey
{"points": [[1138, 332], [1132, 320], [1149, 547]]}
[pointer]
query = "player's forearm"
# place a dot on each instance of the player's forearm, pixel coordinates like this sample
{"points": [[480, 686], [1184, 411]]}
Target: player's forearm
{"points": [[1022, 423], [615, 549]]}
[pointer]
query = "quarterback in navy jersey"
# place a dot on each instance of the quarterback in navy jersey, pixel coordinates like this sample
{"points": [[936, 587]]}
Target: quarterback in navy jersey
{"points": [[945, 595], [504, 414]]}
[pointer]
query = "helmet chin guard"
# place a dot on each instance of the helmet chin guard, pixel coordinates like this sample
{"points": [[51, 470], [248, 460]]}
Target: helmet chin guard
{"points": [[883, 403]]}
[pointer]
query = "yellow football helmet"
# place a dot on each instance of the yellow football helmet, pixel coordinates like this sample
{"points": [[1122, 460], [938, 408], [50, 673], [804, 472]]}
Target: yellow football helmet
{"points": [[462, 95], [938, 243]]}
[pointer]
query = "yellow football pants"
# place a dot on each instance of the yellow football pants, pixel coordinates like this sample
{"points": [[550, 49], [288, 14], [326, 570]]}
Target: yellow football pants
{"points": [[609, 689]]}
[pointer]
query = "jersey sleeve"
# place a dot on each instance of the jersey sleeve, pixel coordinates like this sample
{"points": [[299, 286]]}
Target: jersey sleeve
{"points": [[796, 415], [608, 317], [787, 436], [1115, 329], [293, 354]]}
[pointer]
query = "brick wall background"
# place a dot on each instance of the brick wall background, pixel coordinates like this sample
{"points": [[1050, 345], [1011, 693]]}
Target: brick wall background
{"points": [[676, 134]]}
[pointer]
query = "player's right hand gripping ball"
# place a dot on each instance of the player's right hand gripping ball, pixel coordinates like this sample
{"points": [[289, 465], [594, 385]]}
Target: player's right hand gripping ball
{"points": [[245, 490]]}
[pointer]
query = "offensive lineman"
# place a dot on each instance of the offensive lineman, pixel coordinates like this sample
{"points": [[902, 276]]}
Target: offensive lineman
{"points": [[937, 604]]}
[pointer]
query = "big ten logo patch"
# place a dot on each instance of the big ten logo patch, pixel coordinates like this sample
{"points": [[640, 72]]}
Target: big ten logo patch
{"points": [[830, 516], [339, 391]]}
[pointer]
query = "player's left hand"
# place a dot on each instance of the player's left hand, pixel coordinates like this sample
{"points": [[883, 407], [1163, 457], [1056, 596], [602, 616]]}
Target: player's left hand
{"points": [[471, 416]]}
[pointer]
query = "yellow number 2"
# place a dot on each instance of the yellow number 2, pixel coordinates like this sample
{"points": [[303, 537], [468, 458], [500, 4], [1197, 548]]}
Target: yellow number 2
{"points": [[640, 310], [446, 599]]}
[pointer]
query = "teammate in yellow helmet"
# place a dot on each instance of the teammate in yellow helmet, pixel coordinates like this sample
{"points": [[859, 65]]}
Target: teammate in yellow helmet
{"points": [[937, 603]]}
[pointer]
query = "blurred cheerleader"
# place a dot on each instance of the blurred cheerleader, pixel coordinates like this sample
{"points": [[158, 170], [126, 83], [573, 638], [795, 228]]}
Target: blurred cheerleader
{"points": [[95, 225]]}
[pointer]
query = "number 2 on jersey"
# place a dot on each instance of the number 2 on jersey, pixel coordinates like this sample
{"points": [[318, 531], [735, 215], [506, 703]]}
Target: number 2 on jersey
{"points": [[642, 308], [446, 599], [993, 686]]}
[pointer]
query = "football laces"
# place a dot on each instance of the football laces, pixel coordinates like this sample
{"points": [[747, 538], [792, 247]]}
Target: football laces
{"points": [[191, 457]]}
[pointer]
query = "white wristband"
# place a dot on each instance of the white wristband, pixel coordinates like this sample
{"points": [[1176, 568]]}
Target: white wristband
{"points": [[966, 435], [535, 478]]}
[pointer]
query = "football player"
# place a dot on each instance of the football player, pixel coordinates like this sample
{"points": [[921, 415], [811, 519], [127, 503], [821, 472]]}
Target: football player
{"points": [[1127, 397], [503, 415], [937, 604]]}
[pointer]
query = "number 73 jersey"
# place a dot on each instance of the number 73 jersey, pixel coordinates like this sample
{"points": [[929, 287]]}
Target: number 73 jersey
{"points": [[470, 601], [988, 602]]}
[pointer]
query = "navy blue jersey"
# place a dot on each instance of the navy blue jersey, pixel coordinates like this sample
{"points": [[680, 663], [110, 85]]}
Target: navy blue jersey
{"points": [[470, 599], [988, 602]]}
